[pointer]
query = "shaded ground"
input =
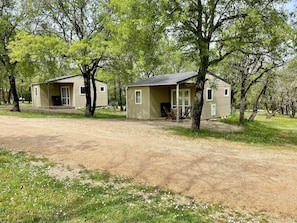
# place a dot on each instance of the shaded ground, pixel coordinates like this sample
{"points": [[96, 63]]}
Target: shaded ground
{"points": [[216, 171]]}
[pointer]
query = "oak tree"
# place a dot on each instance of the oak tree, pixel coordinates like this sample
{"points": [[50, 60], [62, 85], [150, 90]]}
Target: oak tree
{"points": [[213, 30]]}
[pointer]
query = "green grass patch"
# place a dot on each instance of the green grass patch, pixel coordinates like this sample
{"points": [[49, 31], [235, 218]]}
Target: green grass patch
{"points": [[28, 112], [108, 114], [277, 131], [28, 193]]}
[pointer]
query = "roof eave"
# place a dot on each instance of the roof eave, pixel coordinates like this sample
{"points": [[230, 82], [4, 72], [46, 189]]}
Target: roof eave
{"points": [[150, 85]]}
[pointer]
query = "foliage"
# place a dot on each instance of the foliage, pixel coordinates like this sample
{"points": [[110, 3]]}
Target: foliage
{"points": [[40, 55], [122, 41], [262, 52], [139, 46], [30, 194], [66, 32], [9, 20], [213, 30], [281, 94]]}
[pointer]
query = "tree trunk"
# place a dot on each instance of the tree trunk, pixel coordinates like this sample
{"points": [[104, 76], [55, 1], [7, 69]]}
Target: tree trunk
{"points": [[9, 96], [16, 106], [242, 109], [243, 93], [272, 113], [86, 77], [293, 108], [94, 96], [257, 103], [198, 103], [115, 89], [233, 101], [121, 95]]}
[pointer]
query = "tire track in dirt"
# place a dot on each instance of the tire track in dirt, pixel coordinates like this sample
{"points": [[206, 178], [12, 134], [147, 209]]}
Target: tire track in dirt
{"points": [[217, 171]]}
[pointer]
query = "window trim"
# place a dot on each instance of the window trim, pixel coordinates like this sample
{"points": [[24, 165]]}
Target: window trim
{"points": [[80, 92], [226, 89], [140, 97], [207, 90], [182, 97]]}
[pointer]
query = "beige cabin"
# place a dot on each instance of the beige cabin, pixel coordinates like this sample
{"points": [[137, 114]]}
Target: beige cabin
{"points": [[147, 98], [66, 91]]}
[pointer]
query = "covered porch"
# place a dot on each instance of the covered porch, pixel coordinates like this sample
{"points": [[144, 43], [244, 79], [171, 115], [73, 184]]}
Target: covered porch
{"points": [[165, 99], [164, 96]]}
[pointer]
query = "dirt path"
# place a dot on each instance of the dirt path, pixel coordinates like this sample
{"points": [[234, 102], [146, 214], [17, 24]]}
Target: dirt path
{"points": [[217, 171]]}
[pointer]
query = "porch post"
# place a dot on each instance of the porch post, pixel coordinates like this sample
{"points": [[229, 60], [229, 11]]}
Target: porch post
{"points": [[177, 101]]}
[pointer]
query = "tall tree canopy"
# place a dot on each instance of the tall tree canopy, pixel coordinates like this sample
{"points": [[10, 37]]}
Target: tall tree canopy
{"points": [[75, 32], [260, 54], [10, 16], [136, 38], [214, 29]]}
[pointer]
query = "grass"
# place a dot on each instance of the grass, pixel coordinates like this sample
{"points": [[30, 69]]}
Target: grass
{"points": [[28, 193], [28, 112], [279, 131]]}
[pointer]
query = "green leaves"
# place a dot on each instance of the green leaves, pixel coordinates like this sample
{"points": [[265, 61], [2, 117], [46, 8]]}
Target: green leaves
{"points": [[38, 55], [38, 48]]}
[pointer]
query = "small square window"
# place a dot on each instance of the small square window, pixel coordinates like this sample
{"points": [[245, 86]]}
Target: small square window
{"points": [[226, 92], [209, 94], [138, 97], [82, 90], [102, 89]]}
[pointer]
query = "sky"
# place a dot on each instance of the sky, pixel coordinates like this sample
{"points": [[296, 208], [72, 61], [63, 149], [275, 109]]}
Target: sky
{"points": [[291, 5]]}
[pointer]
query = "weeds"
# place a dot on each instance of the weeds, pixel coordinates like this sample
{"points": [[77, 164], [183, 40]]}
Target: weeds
{"points": [[29, 194]]}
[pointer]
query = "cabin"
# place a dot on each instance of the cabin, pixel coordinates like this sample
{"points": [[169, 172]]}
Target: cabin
{"points": [[66, 92], [154, 97]]}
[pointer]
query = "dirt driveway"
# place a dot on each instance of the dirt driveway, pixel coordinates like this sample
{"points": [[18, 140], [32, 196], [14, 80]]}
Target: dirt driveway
{"points": [[233, 174]]}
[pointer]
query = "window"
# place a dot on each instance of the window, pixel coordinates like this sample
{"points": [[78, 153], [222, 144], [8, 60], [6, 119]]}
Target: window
{"points": [[184, 100], [82, 90], [138, 97], [102, 89], [209, 94], [226, 92]]}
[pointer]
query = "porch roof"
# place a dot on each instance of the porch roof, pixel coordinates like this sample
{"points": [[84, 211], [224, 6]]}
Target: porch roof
{"points": [[58, 79], [166, 79]]}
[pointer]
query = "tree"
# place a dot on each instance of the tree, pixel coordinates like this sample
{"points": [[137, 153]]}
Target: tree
{"points": [[213, 30], [281, 94], [39, 57], [250, 70], [8, 25], [81, 26], [136, 41], [261, 53]]}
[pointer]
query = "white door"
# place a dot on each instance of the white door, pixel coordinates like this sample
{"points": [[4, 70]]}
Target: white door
{"points": [[184, 99], [65, 96]]}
